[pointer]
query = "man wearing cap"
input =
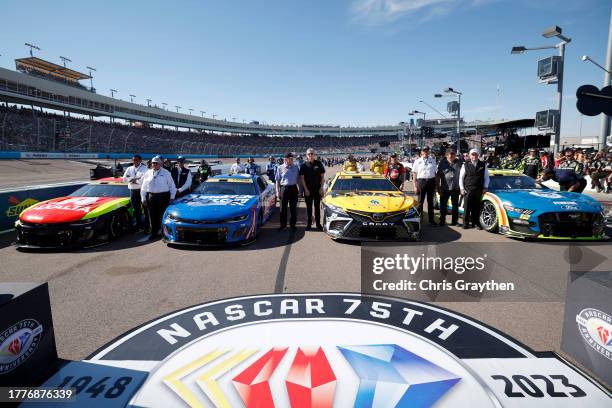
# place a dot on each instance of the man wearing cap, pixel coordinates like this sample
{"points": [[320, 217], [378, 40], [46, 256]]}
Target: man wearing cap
{"points": [[531, 165], [473, 182], [251, 168], [378, 164], [156, 191], [424, 170], [133, 176], [287, 176], [182, 177]]}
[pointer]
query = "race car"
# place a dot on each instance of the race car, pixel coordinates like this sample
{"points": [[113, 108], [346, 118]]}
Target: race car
{"points": [[516, 205], [95, 213], [367, 207], [225, 209]]}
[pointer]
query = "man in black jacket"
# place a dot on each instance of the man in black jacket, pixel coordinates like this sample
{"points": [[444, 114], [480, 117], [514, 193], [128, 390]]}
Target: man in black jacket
{"points": [[182, 177], [447, 184], [312, 176], [473, 182]]}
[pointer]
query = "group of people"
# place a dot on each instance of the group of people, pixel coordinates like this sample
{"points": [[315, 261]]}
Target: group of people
{"points": [[153, 187]]}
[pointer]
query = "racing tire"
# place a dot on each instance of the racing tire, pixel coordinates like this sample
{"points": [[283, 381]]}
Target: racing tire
{"points": [[117, 225], [488, 217]]}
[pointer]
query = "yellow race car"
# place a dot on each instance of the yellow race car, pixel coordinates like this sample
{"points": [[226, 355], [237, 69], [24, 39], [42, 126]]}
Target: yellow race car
{"points": [[368, 207]]}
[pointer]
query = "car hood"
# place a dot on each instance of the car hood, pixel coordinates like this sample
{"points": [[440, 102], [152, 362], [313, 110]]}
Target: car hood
{"points": [[548, 200], [370, 201], [66, 209], [211, 207]]}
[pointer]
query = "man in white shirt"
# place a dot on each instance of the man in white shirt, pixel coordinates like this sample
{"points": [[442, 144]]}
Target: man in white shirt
{"points": [[424, 172], [237, 168], [133, 176], [156, 191], [473, 183]]}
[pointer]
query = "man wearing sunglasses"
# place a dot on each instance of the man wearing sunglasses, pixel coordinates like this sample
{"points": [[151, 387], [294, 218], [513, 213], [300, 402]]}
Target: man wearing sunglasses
{"points": [[312, 175]]}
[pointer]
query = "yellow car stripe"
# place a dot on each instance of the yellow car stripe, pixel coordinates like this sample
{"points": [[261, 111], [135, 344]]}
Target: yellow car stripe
{"points": [[107, 207]]}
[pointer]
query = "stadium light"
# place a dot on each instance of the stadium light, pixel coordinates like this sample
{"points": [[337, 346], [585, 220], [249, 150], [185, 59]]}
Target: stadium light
{"points": [[586, 58], [132, 98], [64, 59], [112, 91], [554, 31], [32, 47], [148, 102], [214, 116], [450, 90], [190, 110], [202, 112], [177, 108], [165, 105], [91, 75], [233, 119]]}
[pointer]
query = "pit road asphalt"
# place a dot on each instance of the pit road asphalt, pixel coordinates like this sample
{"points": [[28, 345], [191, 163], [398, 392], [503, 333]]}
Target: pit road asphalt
{"points": [[98, 294]]}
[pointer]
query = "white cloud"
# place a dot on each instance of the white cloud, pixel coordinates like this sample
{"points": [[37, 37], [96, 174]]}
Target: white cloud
{"points": [[381, 11]]}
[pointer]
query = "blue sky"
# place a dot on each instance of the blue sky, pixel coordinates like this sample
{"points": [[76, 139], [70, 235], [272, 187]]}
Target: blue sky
{"points": [[361, 62]]}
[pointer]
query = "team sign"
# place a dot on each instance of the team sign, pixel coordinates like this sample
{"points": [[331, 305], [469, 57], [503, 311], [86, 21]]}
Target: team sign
{"points": [[337, 350]]}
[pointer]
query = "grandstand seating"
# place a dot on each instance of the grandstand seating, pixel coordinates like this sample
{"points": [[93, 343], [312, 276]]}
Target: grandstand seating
{"points": [[25, 129]]}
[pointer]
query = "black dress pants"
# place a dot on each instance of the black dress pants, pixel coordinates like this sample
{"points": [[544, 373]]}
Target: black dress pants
{"points": [[289, 198], [157, 204], [471, 206], [426, 191], [454, 197], [313, 199]]}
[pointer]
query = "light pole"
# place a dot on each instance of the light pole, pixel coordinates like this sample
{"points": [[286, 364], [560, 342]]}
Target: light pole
{"points": [[64, 59], [91, 75], [112, 91], [202, 112], [214, 116], [165, 105], [148, 102], [132, 98], [458, 94], [553, 31], [190, 111], [416, 112], [32, 48], [177, 108]]}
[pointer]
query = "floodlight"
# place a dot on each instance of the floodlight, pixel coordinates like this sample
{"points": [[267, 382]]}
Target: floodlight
{"points": [[553, 31], [518, 50]]}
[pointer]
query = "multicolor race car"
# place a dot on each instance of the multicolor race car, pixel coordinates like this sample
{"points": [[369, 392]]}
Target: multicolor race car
{"points": [[225, 209], [367, 206], [518, 206], [95, 213]]}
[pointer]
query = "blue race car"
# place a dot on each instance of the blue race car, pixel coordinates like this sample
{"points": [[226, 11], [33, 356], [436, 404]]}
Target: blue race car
{"points": [[517, 206], [225, 209]]}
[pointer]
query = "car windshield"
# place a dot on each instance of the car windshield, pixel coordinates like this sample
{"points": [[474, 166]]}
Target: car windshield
{"points": [[226, 187], [102, 190], [361, 184], [512, 183]]}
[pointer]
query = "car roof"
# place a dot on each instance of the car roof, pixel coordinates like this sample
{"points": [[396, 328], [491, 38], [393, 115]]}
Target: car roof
{"points": [[110, 180], [500, 172], [359, 175]]}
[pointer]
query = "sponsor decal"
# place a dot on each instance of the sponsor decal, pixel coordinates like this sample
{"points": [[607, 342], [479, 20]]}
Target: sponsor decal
{"points": [[81, 204], [565, 202], [374, 202], [204, 200], [378, 217], [16, 206], [545, 194], [595, 327], [337, 350], [569, 207], [17, 343]]}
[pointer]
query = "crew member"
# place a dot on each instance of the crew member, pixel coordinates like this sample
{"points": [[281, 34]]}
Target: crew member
{"points": [[251, 168], [287, 176], [166, 164], [182, 177], [424, 171], [395, 172], [568, 162], [271, 169], [447, 182], [545, 161], [237, 168], [204, 170], [473, 182], [596, 169], [350, 164], [531, 165], [510, 162], [133, 176], [378, 165], [156, 191], [567, 178], [312, 177]]}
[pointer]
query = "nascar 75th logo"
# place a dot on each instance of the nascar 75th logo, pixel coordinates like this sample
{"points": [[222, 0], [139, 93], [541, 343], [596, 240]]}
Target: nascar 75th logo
{"points": [[388, 375]]}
